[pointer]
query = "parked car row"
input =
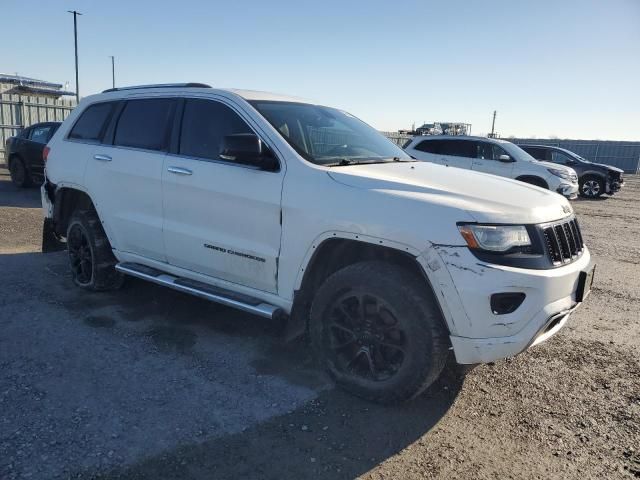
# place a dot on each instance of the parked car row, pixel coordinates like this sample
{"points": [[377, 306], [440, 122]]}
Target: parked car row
{"points": [[545, 166], [300, 212], [497, 157]]}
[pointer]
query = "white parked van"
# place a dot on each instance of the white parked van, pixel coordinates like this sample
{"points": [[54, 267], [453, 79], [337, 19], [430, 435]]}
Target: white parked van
{"points": [[497, 157], [297, 211]]}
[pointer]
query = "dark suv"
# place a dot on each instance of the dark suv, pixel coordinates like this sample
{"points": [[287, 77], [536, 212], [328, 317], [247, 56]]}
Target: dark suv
{"points": [[24, 153], [594, 178]]}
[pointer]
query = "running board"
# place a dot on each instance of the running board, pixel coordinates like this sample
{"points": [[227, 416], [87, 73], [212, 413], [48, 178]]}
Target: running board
{"points": [[200, 289]]}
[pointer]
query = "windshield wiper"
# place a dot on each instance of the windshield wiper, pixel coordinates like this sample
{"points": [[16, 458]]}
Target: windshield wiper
{"points": [[341, 163]]}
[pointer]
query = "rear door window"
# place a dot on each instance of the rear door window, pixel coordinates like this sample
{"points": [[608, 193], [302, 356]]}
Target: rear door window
{"points": [[429, 146], [459, 148], [204, 124], [92, 122], [145, 124]]}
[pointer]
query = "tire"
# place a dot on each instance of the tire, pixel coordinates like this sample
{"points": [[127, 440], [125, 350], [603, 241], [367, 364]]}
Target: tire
{"points": [[389, 356], [20, 176], [90, 257], [591, 186]]}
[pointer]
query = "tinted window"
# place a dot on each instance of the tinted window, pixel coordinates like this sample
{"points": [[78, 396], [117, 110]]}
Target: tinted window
{"points": [[25, 133], [92, 122], [145, 123], [458, 148], [204, 124], [561, 158], [497, 151], [489, 151], [535, 152], [40, 134], [429, 146]]}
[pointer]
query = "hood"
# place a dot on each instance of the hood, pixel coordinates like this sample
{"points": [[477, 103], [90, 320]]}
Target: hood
{"points": [[486, 198], [606, 167], [556, 166]]}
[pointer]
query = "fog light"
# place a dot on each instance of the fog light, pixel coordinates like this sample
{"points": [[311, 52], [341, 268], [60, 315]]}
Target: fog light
{"points": [[507, 302]]}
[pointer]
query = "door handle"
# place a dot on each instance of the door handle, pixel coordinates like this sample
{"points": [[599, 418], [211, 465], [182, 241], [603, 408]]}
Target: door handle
{"points": [[102, 158], [179, 170]]}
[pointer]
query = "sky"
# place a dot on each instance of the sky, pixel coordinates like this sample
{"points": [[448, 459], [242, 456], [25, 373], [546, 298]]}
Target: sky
{"points": [[567, 69]]}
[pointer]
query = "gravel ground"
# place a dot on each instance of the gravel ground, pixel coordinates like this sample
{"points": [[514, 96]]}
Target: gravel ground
{"points": [[149, 383]]}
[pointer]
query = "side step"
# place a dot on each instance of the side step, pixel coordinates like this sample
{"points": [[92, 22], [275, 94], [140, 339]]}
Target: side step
{"points": [[202, 290]]}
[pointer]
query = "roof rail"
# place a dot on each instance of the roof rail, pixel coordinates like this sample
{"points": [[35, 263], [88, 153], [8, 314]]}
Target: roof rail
{"points": [[160, 85]]}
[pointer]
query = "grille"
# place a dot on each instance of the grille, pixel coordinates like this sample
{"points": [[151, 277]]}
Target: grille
{"points": [[564, 241]]}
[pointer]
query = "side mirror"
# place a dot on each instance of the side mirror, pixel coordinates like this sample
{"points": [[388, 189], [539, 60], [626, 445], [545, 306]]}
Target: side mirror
{"points": [[505, 158], [248, 149]]}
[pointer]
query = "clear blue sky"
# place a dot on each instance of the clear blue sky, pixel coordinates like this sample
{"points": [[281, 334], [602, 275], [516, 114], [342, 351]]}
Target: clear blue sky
{"points": [[566, 68]]}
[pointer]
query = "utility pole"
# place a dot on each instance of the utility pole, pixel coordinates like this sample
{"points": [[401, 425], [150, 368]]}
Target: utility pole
{"points": [[493, 125], [113, 72], [75, 38]]}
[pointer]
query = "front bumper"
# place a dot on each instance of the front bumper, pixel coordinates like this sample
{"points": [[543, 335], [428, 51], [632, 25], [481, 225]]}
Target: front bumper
{"points": [[568, 190], [614, 186], [476, 333]]}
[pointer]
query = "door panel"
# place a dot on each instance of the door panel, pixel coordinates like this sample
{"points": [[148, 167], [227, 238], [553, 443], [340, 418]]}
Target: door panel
{"points": [[127, 191], [125, 180], [220, 218], [223, 220]]}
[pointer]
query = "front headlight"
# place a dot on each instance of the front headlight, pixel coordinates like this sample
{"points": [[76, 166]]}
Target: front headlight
{"points": [[495, 238], [560, 173]]}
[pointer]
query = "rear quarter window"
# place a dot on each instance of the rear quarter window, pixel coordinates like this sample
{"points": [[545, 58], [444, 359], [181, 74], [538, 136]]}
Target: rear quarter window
{"points": [[92, 122], [145, 124]]}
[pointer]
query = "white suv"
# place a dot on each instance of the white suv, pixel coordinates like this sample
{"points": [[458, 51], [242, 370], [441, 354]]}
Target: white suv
{"points": [[497, 157], [301, 212]]}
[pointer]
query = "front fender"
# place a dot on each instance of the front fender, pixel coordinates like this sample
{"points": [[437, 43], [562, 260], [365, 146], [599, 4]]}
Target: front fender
{"points": [[336, 234]]}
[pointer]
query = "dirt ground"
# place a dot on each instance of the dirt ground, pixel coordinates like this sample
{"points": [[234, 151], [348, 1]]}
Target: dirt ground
{"points": [[147, 383]]}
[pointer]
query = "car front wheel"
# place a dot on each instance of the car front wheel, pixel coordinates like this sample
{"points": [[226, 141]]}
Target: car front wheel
{"points": [[378, 331], [591, 187]]}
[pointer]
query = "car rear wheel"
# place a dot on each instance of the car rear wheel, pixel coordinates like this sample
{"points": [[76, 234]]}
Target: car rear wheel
{"points": [[378, 331], [19, 174], [90, 256], [591, 187]]}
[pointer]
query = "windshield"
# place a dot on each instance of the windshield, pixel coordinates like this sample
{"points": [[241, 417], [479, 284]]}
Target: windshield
{"points": [[329, 137], [516, 152]]}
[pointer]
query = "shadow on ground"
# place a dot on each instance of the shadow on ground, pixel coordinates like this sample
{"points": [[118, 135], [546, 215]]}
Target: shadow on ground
{"points": [[334, 436], [12, 196]]}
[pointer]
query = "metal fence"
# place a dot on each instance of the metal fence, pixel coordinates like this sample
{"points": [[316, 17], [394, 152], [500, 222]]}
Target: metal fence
{"points": [[398, 138], [624, 155], [20, 111]]}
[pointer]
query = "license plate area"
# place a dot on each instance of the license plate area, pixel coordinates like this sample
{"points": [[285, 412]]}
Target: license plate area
{"points": [[585, 281]]}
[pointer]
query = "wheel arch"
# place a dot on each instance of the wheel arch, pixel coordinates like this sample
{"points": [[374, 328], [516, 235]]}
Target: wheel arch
{"points": [[534, 180], [67, 200], [593, 173], [337, 250]]}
